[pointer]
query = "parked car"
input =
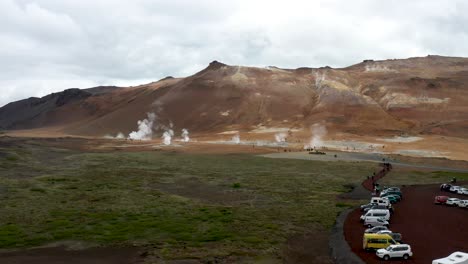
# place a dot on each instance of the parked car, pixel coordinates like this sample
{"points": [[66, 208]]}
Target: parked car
{"points": [[389, 189], [392, 191], [397, 237], [392, 198], [400, 196], [452, 201], [371, 221], [375, 229], [445, 187], [462, 190], [381, 207], [454, 258], [385, 232], [441, 199], [463, 203], [395, 251], [454, 188], [384, 214], [380, 201], [376, 241], [366, 207]]}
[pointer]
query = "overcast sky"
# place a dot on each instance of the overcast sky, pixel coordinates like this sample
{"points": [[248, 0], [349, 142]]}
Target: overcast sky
{"points": [[51, 45]]}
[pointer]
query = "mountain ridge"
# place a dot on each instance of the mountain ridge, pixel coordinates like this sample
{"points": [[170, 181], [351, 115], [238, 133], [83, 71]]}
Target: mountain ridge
{"points": [[414, 95]]}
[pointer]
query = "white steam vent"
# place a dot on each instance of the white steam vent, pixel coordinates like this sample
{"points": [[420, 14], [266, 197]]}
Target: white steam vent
{"points": [[318, 132], [236, 139], [185, 135], [167, 136], [280, 137], [145, 128]]}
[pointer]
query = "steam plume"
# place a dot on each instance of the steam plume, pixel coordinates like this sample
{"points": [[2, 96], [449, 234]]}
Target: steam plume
{"points": [[318, 132], [145, 128], [167, 136], [236, 139], [185, 135], [280, 137]]}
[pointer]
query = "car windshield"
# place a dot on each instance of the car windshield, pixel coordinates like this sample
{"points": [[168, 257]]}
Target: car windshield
{"points": [[389, 248]]}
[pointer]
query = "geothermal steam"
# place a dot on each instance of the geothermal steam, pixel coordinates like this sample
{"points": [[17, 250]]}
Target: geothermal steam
{"points": [[145, 128], [236, 139], [185, 135], [318, 132], [280, 137], [167, 136]]}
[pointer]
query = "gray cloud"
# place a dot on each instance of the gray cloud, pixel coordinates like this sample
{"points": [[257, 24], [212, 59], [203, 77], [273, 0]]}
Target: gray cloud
{"points": [[50, 45]]}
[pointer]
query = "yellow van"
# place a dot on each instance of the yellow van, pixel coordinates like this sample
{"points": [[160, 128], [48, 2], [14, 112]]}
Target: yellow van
{"points": [[376, 241]]}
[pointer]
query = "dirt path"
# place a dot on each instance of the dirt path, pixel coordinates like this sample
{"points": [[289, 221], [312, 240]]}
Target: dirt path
{"points": [[357, 156]]}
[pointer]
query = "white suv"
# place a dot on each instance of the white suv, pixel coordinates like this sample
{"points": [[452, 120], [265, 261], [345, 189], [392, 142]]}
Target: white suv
{"points": [[452, 201], [395, 251], [462, 190], [463, 203]]}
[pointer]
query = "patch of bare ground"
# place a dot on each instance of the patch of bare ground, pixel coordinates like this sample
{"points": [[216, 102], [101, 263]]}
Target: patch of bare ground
{"points": [[60, 255]]}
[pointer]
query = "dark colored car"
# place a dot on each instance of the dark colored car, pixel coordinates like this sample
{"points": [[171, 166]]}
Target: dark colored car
{"points": [[445, 187], [441, 199], [398, 197], [366, 207], [397, 237], [392, 198], [392, 192]]}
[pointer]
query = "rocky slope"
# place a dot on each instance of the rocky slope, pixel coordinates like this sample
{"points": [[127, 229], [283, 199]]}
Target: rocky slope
{"points": [[409, 96]]}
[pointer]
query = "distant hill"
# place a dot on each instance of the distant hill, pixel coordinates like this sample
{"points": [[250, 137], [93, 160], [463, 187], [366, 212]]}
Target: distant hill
{"points": [[426, 95]]}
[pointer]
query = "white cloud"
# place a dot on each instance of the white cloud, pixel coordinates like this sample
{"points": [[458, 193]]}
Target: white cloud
{"points": [[50, 45]]}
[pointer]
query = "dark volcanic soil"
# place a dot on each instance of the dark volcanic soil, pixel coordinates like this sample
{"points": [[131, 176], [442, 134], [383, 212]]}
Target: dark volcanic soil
{"points": [[60, 255], [433, 231]]}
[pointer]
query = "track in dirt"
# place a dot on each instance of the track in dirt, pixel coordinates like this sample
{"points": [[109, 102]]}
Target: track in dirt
{"points": [[433, 231]]}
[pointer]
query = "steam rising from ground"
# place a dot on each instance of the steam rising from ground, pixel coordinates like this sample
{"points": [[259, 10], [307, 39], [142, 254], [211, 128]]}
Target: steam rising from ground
{"points": [[318, 132], [145, 128], [185, 135], [167, 136], [236, 139], [319, 78], [119, 135], [280, 137]]}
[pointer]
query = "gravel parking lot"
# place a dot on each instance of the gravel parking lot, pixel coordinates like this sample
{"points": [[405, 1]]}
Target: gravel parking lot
{"points": [[433, 231]]}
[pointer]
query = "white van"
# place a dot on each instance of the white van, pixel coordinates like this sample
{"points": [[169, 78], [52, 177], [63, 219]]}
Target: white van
{"points": [[454, 258], [380, 201], [382, 213]]}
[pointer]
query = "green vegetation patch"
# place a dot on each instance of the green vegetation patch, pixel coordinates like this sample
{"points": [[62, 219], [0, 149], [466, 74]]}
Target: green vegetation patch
{"points": [[232, 204]]}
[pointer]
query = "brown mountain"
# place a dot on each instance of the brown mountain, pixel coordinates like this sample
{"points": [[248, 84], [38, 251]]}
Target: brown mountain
{"points": [[416, 95]]}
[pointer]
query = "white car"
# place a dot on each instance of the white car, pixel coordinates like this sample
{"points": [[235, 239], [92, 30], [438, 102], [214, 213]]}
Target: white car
{"points": [[385, 232], [395, 251], [462, 191], [454, 189], [455, 258], [463, 203], [452, 201], [371, 221]]}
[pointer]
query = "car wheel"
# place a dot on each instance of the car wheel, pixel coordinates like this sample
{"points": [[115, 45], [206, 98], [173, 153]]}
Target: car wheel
{"points": [[405, 256], [369, 226], [386, 257]]}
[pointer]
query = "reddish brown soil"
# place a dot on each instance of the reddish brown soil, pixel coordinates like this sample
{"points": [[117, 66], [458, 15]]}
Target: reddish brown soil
{"points": [[433, 231]]}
